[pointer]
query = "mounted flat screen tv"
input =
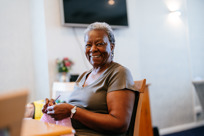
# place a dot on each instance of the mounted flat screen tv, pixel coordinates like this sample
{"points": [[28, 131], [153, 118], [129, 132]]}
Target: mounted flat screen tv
{"points": [[81, 13]]}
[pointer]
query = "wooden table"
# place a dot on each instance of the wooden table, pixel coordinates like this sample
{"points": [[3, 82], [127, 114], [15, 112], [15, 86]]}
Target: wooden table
{"points": [[31, 127]]}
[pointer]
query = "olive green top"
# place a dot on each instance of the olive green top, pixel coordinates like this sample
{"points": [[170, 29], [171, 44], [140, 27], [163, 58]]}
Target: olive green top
{"points": [[93, 96]]}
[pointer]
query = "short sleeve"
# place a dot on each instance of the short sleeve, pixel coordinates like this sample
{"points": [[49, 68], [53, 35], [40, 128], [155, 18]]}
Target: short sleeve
{"points": [[120, 79]]}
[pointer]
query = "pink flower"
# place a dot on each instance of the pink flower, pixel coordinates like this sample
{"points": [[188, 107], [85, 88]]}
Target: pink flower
{"points": [[67, 64], [64, 65], [66, 58]]}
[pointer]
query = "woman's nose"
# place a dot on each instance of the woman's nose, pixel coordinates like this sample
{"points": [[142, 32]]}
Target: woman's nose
{"points": [[93, 48]]}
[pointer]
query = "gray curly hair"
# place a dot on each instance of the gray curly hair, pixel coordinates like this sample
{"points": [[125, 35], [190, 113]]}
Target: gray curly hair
{"points": [[101, 26]]}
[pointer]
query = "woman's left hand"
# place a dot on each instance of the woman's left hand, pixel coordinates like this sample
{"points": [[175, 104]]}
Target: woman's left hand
{"points": [[59, 111]]}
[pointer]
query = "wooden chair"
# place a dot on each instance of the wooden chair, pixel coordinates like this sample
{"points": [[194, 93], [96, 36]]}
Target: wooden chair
{"points": [[12, 107], [135, 120], [62, 88]]}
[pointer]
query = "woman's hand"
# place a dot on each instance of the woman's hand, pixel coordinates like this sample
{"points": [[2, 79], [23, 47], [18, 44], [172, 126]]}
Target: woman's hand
{"points": [[59, 111], [48, 103]]}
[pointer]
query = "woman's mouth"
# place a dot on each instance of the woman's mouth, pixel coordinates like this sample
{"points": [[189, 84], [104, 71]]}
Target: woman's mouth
{"points": [[95, 56]]}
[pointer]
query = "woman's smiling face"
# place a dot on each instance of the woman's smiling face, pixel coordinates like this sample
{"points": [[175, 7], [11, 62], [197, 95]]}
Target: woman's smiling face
{"points": [[98, 48]]}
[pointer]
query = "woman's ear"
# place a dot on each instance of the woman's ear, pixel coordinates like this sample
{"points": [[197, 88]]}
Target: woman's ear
{"points": [[112, 46]]}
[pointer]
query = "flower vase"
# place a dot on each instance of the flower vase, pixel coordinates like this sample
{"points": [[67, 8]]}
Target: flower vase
{"points": [[64, 77]]}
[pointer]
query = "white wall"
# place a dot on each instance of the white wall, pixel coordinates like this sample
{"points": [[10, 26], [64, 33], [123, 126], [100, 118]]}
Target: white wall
{"points": [[196, 32], [23, 48], [16, 64], [39, 49], [61, 41], [165, 63], [151, 47]]}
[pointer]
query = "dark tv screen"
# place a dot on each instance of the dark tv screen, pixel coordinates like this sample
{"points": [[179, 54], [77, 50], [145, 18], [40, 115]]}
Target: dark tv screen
{"points": [[81, 13]]}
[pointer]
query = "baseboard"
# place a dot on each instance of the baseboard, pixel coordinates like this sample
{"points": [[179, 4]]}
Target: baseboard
{"points": [[179, 128]]}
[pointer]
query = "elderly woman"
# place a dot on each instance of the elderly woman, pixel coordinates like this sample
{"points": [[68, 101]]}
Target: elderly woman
{"points": [[103, 98]]}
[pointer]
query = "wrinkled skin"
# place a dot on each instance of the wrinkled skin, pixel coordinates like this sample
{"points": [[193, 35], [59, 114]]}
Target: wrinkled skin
{"points": [[57, 111]]}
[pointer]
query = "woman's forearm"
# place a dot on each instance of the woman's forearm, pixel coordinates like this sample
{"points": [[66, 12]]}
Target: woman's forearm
{"points": [[101, 122]]}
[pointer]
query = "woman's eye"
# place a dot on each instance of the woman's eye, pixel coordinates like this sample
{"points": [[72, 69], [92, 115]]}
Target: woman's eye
{"points": [[88, 45], [100, 44]]}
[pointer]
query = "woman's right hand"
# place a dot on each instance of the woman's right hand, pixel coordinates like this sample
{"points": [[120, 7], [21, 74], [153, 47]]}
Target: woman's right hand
{"points": [[60, 111], [47, 103]]}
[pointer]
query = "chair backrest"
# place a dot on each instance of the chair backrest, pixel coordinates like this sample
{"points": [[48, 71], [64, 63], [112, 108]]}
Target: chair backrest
{"points": [[12, 111], [64, 89], [135, 120], [140, 86]]}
